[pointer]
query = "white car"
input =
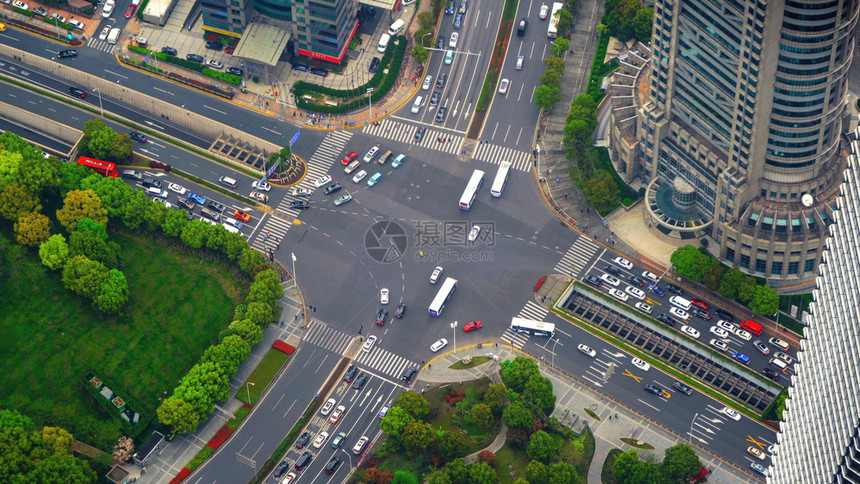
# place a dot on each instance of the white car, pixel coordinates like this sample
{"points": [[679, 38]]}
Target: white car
{"points": [[384, 410], [588, 350], [359, 176], [324, 180], [620, 295], [383, 295], [742, 334], [327, 406], [290, 478], [690, 331], [371, 340], [104, 33], [621, 261], [108, 9], [503, 86], [439, 345], [784, 357], [215, 64], [370, 154], [473, 234], [520, 60], [650, 276], [300, 192], [544, 12], [173, 187], [453, 42], [434, 277], [318, 442], [635, 292], [77, 24], [679, 313], [719, 344], [610, 280], [719, 332], [428, 81], [337, 414], [261, 185], [731, 328], [21, 5], [640, 364], [731, 413], [643, 307]]}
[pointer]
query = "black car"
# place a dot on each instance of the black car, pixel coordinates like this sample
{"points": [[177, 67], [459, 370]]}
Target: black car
{"points": [[410, 373], [185, 203], [380, 317], [67, 53], [701, 313], [300, 204], [350, 373], [359, 382], [441, 80], [770, 373], [301, 67], [332, 465], [332, 188], [612, 270], [419, 134], [74, 91], [282, 467], [169, 51], [440, 42], [521, 27], [319, 71], [722, 313], [440, 115], [215, 206], [665, 319], [657, 290], [303, 440], [434, 98], [594, 281], [236, 71], [653, 389], [137, 137], [374, 65], [214, 45], [194, 58], [682, 387], [636, 281], [400, 311], [674, 289], [303, 460]]}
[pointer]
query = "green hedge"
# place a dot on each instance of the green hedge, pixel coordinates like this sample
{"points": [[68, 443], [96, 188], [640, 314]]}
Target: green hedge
{"points": [[599, 69], [187, 64], [301, 88], [129, 429]]}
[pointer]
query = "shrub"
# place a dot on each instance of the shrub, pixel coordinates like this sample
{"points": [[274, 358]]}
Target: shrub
{"points": [[488, 457]]}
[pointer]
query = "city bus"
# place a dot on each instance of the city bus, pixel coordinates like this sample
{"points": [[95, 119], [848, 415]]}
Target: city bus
{"points": [[442, 297], [105, 168], [533, 328], [552, 31], [501, 179], [471, 190]]}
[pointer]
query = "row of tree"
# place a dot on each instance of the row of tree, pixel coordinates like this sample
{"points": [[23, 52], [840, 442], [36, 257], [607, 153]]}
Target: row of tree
{"points": [[679, 463], [700, 266], [548, 94], [208, 381], [627, 19]]}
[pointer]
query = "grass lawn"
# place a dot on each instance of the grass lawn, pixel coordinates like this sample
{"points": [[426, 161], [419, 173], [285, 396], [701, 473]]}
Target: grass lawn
{"points": [[510, 464], [576, 451], [444, 416], [262, 375], [51, 337]]}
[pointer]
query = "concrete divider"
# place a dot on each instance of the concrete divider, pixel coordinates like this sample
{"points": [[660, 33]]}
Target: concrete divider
{"points": [[46, 126]]}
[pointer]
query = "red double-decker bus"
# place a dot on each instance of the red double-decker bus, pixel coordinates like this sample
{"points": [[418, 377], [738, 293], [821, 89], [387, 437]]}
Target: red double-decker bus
{"points": [[106, 168]]}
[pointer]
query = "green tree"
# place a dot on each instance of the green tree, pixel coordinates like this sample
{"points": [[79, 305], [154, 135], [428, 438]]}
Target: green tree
{"points": [[679, 462], [90, 225], [61, 469], [155, 213], [538, 396], [247, 330], [554, 63], [113, 192], [32, 229], [518, 416], [16, 201], [561, 473], [194, 234], [747, 289], [174, 222], [546, 97], [458, 471], [541, 447], [642, 24], [482, 473], [84, 277], [451, 444], [577, 137], [81, 204], [496, 397], [601, 190], [39, 174], [420, 54], [71, 175], [113, 294], [413, 403], [132, 211], [565, 20], [517, 372], [427, 20], [259, 313], [106, 144], [228, 354], [692, 262], [619, 19], [714, 276], [234, 244], [395, 422], [417, 435], [560, 46], [551, 77], [624, 465], [482, 416], [439, 477], [10, 167], [93, 247], [731, 283], [765, 301], [404, 477], [251, 261], [178, 414], [54, 252], [58, 440], [536, 472]]}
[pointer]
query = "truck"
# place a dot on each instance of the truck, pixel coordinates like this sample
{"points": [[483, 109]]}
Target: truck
{"points": [[751, 326], [113, 36]]}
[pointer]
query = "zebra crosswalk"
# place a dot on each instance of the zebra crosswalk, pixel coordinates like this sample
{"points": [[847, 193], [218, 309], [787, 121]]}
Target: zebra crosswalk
{"points": [[575, 259], [385, 362], [532, 311], [270, 234], [326, 337], [405, 133], [520, 160], [101, 45]]}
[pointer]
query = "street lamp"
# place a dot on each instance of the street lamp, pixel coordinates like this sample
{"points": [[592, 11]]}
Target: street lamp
{"points": [[454, 327], [347, 454], [553, 353], [422, 38], [370, 102], [101, 109], [248, 387], [691, 427], [296, 282]]}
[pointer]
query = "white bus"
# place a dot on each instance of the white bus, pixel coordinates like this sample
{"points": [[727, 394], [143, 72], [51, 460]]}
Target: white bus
{"points": [[442, 297], [471, 190], [501, 179], [552, 31], [533, 328]]}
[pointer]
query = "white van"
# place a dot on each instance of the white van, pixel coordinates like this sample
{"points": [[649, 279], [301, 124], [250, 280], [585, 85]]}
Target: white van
{"points": [[396, 27], [156, 192], [680, 302], [778, 363], [113, 36], [416, 106], [228, 182], [230, 228], [383, 43]]}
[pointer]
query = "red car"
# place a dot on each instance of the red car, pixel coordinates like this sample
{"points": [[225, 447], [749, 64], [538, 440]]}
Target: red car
{"points": [[348, 158], [699, 303], [230, 49], [242, 215], [472, 326], [129, 12]]}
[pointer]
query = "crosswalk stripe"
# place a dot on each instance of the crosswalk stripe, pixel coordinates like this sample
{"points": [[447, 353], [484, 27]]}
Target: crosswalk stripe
{"points": [[101, 45], [384, 361], [533, 311], [575, 259], [520, 160], [405, 133]]}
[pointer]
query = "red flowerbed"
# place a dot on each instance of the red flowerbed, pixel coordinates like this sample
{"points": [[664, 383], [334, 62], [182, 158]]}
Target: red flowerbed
{"points": [[182, 475], [281, 346], [220, 437]]}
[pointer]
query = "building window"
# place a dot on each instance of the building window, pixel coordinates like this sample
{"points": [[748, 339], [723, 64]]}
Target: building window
{"points": [[792, 267], [776, 268], [745, 261], [760, 265], [730, 254], [807, 267]]}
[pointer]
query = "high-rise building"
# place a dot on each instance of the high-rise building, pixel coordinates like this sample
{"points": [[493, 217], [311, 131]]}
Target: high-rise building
{"points": [[819, 439], [734, 125]]}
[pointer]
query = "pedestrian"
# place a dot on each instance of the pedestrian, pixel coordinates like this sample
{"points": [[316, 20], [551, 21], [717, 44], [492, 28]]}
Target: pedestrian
{"points": [[616, 416], [428, 367], [565, 196], [610, 418]]}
